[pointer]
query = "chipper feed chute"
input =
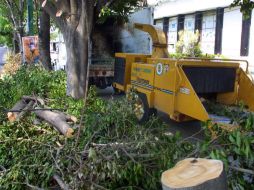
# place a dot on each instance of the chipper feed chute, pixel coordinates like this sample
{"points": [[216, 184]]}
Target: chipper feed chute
{"points": [[179, 87]]}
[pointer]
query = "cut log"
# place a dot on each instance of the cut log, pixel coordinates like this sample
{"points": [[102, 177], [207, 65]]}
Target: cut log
{"points": [[195, 174], [16, 110], [67, 117], [28, 107], [56, 120]]}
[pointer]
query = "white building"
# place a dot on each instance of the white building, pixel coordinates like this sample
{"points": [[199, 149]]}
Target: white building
{"points": [[223, 29], [57, 50]]}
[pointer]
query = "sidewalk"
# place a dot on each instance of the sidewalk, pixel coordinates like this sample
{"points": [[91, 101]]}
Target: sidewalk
{"points": [[3, 51]]}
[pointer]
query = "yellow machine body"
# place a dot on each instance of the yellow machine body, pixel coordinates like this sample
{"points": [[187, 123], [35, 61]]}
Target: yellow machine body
{"points": [[176, 86]]}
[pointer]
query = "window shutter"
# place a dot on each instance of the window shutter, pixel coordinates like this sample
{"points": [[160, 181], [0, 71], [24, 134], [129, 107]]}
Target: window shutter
{"points": [[245, 37], [218, 30], [180, 24]]}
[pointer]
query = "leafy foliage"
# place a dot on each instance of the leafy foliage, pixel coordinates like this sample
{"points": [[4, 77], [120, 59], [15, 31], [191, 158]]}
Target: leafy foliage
{"points": [[188, 44], [118, 10], [109, 150], [235, 148], [5, 32], [246, 6], [112, 150]]}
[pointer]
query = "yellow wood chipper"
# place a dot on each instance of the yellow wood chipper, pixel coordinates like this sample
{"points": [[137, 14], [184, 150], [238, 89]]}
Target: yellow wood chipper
{"points": [[178, 86]]}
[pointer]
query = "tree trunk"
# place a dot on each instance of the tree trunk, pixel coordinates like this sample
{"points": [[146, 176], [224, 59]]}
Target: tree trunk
{"points": [[77, 48], [75, 21], [195, 174], [15, 43], [44, 40]]}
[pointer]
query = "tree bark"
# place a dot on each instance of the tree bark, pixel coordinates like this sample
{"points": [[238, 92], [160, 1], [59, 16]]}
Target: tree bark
{"points": [[44, 40], [77, 64], [195, 174], [14, 112], [56, 120], [15, 43]]}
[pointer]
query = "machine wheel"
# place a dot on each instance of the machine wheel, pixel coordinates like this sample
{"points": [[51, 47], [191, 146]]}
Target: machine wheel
{"points": [[141, 108], [117, 91]]}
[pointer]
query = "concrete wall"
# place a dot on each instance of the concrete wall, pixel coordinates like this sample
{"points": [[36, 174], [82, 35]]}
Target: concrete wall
{"points": [[175, 7], [231, 33], [231, 30]]}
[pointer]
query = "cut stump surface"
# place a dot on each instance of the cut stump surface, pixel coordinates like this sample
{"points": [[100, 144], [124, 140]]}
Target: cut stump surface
{"points": [[193, 174]]}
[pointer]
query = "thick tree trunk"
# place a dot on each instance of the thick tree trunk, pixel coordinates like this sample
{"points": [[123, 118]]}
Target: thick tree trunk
{"points": [[77, 47], [75, 21], [195, 174], [44, 40]]}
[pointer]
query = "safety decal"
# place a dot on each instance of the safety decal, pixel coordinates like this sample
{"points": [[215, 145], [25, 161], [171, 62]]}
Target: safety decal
{"points": [[159, 68], [185, 90]]}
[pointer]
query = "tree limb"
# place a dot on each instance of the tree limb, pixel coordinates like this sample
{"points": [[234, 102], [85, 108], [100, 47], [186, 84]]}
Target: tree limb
{"points": [[60, 182], [242, 170], [50, 8]]}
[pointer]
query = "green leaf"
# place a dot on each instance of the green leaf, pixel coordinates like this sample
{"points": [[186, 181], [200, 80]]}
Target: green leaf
{"points": [[238, 138]]}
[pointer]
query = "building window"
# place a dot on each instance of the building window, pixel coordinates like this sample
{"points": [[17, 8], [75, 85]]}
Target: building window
{"points": [[172, 34], [189, 23], [208, 32], [159, 24]]}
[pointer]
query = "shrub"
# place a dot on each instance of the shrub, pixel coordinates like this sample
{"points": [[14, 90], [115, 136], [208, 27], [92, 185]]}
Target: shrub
{"points": [[13, 63], [188, 44]]}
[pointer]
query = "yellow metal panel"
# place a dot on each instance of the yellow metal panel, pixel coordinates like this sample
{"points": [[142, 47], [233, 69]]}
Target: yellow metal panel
{"points": [[118, 86], [129, 59], [164, 83], [164, 102], [187, 101], [205, 63], [246, 90], [142, 73]]}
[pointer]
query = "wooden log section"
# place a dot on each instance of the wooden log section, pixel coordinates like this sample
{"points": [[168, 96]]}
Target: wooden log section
{"points": [[56, 120], [195, 174], [17, 111]]}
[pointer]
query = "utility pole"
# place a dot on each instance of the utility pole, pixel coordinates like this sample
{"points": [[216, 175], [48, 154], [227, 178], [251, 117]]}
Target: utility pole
{"points": [[30, 8]]}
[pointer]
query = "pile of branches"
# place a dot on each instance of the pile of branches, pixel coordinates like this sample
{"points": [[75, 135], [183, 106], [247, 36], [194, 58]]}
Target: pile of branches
{"points": [[108, 149], [37, 106]]}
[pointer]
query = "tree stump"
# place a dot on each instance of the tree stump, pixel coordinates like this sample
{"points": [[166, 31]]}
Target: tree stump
{"points": [[195, 174]]}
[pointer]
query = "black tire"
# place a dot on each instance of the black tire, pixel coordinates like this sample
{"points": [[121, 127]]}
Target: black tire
{"points": [[117, 91], [148, 112]]}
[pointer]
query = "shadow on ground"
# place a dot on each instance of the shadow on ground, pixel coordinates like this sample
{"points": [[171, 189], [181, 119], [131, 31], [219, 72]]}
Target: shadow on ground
{"points": [[186, 129]]}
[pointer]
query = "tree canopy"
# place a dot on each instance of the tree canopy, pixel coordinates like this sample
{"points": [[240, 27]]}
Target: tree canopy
{"points": [[246, 6]]}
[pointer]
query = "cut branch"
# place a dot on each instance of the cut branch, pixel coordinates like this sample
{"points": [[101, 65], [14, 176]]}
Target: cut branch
{"points": [[60, 182], [12, 114], [57, 121], [248, 171]]}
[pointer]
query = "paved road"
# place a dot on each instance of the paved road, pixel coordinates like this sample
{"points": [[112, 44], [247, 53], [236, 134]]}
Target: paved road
{"points": [[185, 128], [3, 51]]}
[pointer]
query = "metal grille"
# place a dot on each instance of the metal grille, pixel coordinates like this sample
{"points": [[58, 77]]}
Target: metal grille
{"points": [[211, 79], [119, 70]]}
